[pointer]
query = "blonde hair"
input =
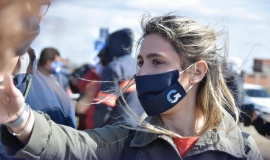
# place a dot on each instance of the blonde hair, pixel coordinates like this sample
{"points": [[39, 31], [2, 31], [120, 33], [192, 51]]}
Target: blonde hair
{"points": [[194, 42]]}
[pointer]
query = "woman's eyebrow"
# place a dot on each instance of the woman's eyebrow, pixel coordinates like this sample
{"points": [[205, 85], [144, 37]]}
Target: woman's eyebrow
{"points": [[151, 55], [139, 57]]}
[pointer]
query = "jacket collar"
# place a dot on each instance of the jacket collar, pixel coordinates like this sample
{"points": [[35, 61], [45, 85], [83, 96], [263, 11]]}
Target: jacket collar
{"points": [[26, 67], [220, 139]]}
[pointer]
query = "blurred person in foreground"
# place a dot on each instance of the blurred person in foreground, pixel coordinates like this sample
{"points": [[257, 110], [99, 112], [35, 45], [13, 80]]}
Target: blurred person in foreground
{"points": [[19, 26], [50, 64], [180, 85]]}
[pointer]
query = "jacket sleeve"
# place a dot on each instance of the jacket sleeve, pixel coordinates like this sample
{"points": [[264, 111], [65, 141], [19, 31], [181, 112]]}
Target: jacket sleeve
{"points": [[52, 141], [252, 150]]}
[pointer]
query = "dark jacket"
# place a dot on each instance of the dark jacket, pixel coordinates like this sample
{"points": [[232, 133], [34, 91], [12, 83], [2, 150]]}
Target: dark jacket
{"points": [[262, 126], [116, 75], [64, 143]]}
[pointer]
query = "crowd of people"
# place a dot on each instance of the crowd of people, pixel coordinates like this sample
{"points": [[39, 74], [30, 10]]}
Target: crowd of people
{"points": [[176, 100]]}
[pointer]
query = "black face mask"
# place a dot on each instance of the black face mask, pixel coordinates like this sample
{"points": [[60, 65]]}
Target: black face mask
{"points": [[160, 92]]}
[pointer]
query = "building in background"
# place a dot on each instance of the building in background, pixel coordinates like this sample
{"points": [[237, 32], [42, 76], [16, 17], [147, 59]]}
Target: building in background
{"points": [[261, 73]]}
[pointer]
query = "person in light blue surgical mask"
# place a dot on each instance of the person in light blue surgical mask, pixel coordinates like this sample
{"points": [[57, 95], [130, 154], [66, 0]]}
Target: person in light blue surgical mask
{"points": [[56, 67], [191, 113], [50, 64], [50, 61]]}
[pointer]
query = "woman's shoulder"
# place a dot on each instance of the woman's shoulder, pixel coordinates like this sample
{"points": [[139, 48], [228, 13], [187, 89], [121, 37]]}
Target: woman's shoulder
{"points": [[110, 132], [231, 140]]}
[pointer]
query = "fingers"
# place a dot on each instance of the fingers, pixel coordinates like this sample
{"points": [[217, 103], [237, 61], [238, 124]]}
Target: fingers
{"points": [[11, 99], [9, 87]]}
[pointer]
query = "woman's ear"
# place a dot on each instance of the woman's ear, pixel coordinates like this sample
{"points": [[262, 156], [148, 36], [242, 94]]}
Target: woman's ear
{"points": [[200, 69]]}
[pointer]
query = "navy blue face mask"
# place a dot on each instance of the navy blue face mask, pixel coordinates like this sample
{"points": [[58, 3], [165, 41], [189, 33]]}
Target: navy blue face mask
{"points": [[159, 92]]}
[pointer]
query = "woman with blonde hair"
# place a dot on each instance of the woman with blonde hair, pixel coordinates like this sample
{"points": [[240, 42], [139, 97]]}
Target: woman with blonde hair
{"points": [[191, 112]]}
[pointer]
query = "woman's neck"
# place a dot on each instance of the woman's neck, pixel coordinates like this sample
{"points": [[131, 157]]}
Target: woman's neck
{"points": [[184, 125], [184, 119], [8, 67]]}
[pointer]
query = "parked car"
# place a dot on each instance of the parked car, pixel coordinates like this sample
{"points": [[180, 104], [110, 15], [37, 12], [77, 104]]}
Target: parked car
{"points": [[259, 97]]}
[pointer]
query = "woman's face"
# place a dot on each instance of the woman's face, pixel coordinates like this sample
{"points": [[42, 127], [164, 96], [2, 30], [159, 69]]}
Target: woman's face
{"points": [[157, 56]]}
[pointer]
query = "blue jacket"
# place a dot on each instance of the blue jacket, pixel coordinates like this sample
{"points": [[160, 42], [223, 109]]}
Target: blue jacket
{"points": [[115, 108], [43, 93], [115, 77]]}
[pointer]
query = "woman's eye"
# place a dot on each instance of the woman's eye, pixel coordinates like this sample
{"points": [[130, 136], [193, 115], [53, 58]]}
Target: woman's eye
{"points": [[157, 62], [139, 63]]}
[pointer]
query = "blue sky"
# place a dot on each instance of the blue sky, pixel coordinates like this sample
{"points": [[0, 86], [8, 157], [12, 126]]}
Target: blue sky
{"points": [[72, 26]]}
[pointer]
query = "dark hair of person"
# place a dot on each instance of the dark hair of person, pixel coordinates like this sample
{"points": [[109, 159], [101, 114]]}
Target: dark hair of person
{"points": [[47, 54]]}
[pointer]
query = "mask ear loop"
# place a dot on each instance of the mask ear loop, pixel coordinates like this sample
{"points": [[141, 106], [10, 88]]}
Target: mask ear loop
{"points": [[186, 68], [191, 85]]}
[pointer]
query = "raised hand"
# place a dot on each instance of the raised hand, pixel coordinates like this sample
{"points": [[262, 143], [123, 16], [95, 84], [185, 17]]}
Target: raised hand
{"points": [[11, 101]]}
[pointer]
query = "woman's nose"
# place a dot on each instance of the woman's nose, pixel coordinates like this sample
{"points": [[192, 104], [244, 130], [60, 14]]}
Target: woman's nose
{"points": [[143, 70]]}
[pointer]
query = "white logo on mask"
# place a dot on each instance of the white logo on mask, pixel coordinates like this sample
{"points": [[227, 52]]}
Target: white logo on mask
{"points": [[176, 96]]}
